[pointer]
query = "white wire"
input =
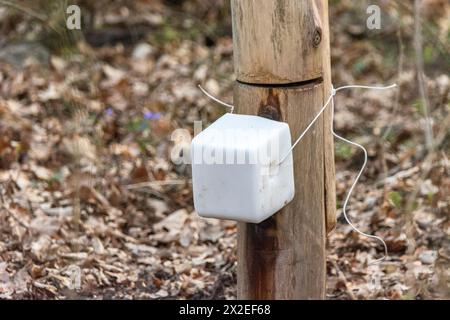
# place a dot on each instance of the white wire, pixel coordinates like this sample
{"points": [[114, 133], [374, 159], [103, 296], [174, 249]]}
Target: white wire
{"points": [[347, 198], [217, 100], [350, 191], [333, 93], [307, 128], [349, 194]]}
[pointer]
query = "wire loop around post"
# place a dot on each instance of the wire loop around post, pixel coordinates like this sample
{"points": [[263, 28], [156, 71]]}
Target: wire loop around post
{"points": [[216, 100], [327, 103]]}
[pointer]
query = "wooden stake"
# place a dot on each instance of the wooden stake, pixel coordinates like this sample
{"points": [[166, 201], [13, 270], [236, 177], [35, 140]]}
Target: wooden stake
{"points": [[282, 64]]}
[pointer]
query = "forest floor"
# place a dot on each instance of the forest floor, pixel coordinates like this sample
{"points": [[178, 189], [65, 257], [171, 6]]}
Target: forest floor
{"points": [[91, 206]]}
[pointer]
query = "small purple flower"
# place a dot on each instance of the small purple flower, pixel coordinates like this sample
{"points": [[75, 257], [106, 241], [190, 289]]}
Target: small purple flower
{"points": [[157, 115], [109, 112], [149, 115]]}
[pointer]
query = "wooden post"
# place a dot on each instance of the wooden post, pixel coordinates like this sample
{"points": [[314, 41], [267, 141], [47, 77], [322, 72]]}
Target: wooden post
{"points": [[282, 66]]}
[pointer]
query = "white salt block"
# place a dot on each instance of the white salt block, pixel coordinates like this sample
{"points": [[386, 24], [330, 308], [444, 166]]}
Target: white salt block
{"points": [[236, 170]]}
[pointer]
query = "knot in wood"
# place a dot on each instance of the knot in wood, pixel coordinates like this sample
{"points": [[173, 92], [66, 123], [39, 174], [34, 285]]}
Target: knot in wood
{"points": [[269, 112], [317, 37]]}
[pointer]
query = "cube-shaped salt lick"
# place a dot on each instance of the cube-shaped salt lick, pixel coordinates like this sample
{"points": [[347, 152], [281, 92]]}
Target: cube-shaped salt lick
{"points": [[236, 169]]}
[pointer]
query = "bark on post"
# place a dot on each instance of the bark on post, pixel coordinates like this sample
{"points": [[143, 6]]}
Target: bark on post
{"points": [[282, 66]]}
